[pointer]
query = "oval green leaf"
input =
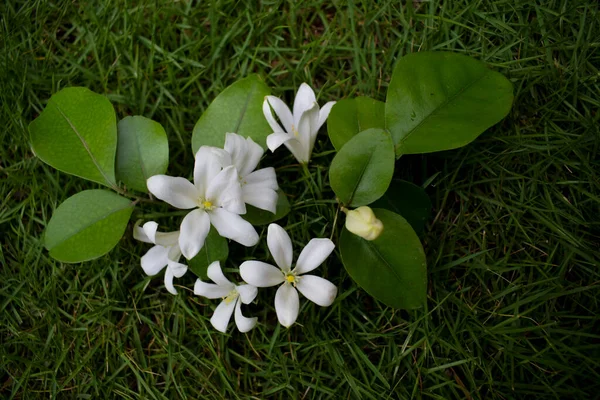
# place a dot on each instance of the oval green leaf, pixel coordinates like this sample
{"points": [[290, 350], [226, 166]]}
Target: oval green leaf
{"points": [[77, 133], [391, 268], [142, 151], [256, 216], [410, 201], [237, 109], [362, 170], [87, 225], [440, 101], [348, 117], [215, 248]]}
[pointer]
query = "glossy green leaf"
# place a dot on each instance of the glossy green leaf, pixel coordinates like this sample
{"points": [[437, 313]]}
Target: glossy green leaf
{"points": [[440, 101], [348, 117], [391, 268], [142, 151], [237, 109], [77, 133], [362, 170], [87, 225], [215, 248], [256, 216], [409, 200]]}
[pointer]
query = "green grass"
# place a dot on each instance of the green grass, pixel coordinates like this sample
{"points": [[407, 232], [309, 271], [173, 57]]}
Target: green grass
{"points": [[513, 246]]}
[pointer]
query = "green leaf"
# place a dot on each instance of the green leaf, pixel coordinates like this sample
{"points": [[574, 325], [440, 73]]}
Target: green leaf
{"points": [[256, 216], [409, 200], [440, 101], [215, 248], [362, 170], [77, 133], [87, 225], [391, 268], [348, 117], [237, 109], [142, 151]]}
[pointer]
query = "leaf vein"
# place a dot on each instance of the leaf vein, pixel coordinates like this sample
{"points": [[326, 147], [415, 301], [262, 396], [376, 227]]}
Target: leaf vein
{"points": [[84, 227], [85, 146], [441, 106]]}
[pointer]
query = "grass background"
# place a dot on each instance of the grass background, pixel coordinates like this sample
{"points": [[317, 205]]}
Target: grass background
{"points": [[513, 246]]}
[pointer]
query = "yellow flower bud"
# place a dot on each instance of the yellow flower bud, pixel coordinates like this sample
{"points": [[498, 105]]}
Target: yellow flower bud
{"points": [[364, 223]]}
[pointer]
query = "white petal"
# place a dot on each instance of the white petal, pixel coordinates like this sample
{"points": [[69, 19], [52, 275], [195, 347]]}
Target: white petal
{"points": [[280, 246], [150, 229], [167, 239], [281, 110], [274, 140], [317, 289], [260, 274], [174, 251], [209, 162], [194, 229], [265, 199], [210, 290], [177, 269], [233, 227], [287, 305], [215, 274], [222, 315], [244, 324], [264, 178], [155, 260], [313, 255], [253, 155], [149, 233], [178, 192], [235, 145], [307, 133], [299, 151], [247, 293], [305, 99], [324, 113], [169, 281], [245, 154], [225, 191], [140, 234]]}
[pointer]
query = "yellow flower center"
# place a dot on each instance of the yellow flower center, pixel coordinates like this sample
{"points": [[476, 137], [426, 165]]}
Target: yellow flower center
{"points": [[291, 278], [231, 296], [205, 204], [295, 131]]}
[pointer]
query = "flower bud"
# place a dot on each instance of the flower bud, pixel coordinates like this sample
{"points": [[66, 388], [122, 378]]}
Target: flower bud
{"points": [[363, 222]]}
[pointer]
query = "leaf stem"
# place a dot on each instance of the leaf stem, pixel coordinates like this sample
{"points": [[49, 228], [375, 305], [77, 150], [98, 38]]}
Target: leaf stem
{"points": [[161, 214], [127, 194]]}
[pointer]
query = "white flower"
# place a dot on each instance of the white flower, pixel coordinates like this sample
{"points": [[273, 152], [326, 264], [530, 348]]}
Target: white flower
{"points": [[300, 128], [215, 196], [166, 253], [363, 222], [233, 296], [259, 188], [314, 288]]}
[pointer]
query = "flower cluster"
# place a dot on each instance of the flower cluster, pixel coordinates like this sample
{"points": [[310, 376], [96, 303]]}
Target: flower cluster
{"points": [[224, 182], [258, 274]]}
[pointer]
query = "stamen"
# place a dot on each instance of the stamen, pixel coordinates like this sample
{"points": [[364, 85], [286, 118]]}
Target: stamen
{"points": [[205, 204]]}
